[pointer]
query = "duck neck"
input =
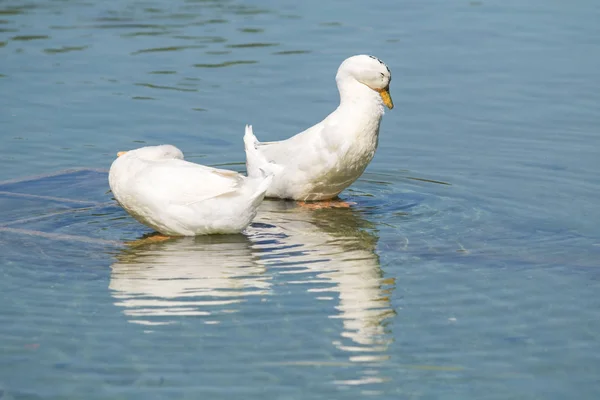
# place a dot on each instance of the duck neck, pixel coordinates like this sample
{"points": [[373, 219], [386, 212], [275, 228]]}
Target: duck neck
{"points": [[358, 96]]}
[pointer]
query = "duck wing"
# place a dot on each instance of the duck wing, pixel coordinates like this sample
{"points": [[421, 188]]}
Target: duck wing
{"points": [[179, 182]]}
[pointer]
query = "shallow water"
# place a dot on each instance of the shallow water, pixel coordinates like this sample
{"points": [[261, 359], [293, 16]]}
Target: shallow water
{"points": [[466, 268]]}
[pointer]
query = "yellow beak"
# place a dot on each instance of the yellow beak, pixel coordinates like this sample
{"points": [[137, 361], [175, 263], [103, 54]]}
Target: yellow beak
{"points": [[119, 154], [385, 96]]}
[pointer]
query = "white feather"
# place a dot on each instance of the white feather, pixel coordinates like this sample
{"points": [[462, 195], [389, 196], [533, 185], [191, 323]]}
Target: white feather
{"points": [[320, 162], [179, 198]]}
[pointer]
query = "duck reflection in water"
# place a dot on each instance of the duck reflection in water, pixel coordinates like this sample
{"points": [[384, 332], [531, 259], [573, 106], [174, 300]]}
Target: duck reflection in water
{"points": [[335, 246], [332, 251], [202, 276]]}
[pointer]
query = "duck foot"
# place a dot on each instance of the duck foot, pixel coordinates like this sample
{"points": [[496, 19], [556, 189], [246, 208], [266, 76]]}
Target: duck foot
{"points": [[149, 239], [318, 205]]}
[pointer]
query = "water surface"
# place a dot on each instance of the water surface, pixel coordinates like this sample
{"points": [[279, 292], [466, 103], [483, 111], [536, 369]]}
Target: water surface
{"points": [[465, 269]]}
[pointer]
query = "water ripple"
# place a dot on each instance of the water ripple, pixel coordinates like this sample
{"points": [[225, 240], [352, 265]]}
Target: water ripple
{"points": [[65, 49], [225, 64], [251, 45], [163, 49], [29, 37], [291, 52], [163, 87]]}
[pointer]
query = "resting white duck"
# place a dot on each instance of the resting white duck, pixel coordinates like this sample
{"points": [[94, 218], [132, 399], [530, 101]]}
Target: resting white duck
{"points": [[320, 162], [157, 187]]}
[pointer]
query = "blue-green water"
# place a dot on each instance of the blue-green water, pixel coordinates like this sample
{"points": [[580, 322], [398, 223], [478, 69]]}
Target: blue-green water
{"points": [[467, 269]]}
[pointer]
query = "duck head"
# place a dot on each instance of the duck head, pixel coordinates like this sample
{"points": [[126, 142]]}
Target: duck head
{"points": [[368, 71]]}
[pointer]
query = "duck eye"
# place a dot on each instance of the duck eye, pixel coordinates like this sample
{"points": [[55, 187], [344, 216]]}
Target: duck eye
{"points": [[382, 74]]}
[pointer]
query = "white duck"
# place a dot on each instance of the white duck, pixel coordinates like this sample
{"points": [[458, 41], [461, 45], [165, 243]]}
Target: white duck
{"points": [[157, 187], [320, 162]]}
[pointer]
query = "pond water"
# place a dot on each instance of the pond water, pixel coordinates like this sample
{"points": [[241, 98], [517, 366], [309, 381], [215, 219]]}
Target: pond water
{"points": [[467, 269]]}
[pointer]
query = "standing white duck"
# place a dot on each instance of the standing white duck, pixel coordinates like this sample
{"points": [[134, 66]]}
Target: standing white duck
{"points": [[320, 162], [157, 187]]}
